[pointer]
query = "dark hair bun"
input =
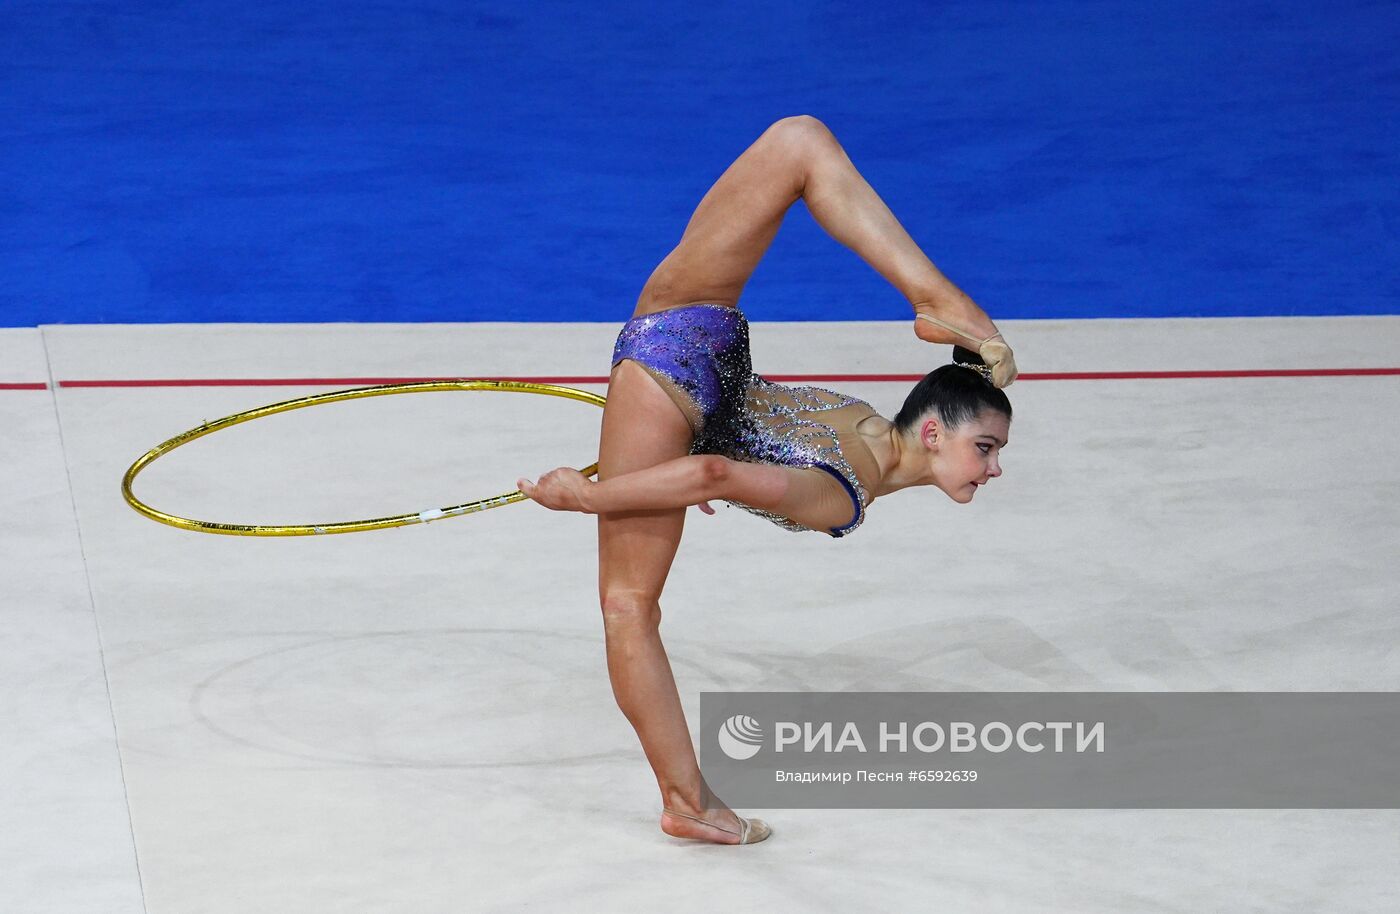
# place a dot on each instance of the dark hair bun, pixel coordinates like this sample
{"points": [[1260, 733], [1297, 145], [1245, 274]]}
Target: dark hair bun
{"points": [[966, 356], [955, 393]]}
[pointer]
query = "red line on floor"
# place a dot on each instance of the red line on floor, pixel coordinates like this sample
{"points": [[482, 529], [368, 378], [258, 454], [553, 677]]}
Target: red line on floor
{"points": [[784, 378], [22, 385]]}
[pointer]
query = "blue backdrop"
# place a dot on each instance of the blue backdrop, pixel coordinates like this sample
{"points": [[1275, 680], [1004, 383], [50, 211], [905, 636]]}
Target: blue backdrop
{"points": [[243, 160]]}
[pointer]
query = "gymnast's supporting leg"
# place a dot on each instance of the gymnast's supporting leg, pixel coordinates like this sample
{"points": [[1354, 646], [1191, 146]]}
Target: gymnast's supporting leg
{"points": [[642, 427]]}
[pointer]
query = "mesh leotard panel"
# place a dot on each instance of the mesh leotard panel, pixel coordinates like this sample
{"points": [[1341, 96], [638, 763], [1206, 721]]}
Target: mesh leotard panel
{"points": [[783, 425]]}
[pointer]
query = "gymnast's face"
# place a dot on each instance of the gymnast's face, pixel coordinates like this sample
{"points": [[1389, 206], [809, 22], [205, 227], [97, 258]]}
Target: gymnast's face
{"points": [[967, 457]]}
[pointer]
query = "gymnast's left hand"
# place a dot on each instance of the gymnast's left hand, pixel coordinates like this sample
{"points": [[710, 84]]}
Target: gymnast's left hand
{"points": [[564, 489]]}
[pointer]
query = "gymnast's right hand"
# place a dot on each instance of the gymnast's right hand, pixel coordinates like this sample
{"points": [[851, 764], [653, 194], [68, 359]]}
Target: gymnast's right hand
{"points": [[559, 490]]}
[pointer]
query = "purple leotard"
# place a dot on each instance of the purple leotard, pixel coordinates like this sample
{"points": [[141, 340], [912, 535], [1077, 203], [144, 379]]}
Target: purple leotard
{"points": [[703, 351]]}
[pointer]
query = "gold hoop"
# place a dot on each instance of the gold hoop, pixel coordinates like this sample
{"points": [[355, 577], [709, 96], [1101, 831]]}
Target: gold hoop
{"points": [[349, 526]]}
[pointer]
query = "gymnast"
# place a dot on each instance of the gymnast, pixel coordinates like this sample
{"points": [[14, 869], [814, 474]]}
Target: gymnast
{"points": [[687, 421]]}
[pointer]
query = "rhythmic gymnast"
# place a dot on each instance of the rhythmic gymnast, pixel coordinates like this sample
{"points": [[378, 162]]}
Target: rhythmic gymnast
{"points": [[687, 422]]}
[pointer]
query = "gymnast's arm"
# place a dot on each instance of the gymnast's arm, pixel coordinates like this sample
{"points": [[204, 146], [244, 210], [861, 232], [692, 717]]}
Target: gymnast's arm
{"points": [[676, 483], [809, 496]]}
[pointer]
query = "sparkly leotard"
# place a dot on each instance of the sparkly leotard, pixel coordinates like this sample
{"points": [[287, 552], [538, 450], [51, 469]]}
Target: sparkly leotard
{"points": [[700, 356]]}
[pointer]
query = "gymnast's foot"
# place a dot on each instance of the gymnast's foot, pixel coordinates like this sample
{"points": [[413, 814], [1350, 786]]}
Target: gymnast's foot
{"points": [[962, 315], [960, 322], [718, 826]]}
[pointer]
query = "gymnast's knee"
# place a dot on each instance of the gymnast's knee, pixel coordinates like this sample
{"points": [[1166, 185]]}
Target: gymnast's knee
{"points": [[626, 610], [801, 130]]}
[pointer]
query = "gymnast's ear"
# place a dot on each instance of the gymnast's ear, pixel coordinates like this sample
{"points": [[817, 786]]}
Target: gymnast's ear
{"points": [[931, 431]]}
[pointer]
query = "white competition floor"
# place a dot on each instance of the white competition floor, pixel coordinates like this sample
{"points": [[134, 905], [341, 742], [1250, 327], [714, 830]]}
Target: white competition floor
{"points": [[419, 720]]}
